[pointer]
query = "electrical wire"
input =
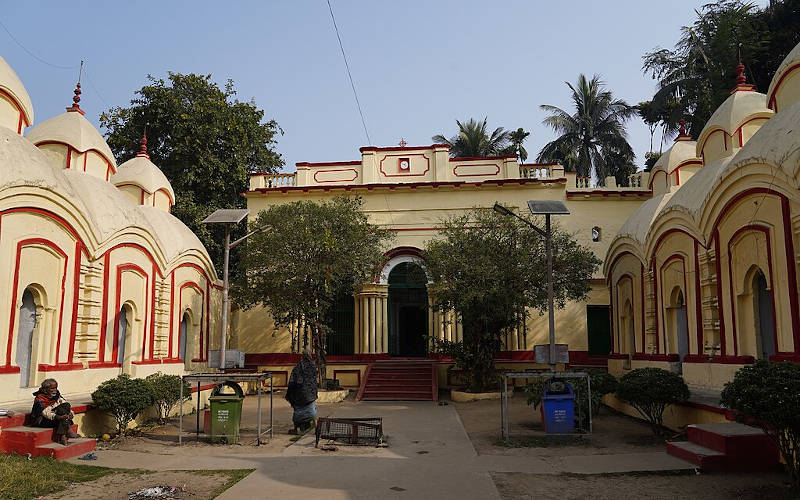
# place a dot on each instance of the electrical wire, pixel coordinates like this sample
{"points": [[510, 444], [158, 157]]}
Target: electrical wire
{"points": [[34, 55], [352, 84]]}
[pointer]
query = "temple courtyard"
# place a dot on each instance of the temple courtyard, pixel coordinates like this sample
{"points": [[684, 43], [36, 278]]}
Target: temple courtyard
{"points": [[446, 450]]}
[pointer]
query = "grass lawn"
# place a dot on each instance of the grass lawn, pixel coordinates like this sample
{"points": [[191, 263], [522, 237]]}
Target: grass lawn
{"points": [[22, 479]]}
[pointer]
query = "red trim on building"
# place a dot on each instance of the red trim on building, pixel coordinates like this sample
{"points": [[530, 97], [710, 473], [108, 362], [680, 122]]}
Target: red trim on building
{"points": [[497, 171], [404, 155], [771, 97], [14, 293], [720, 306], [496, 182], [766, 232], [682, 258], [118, 294], [355, 175], [318, 164]]}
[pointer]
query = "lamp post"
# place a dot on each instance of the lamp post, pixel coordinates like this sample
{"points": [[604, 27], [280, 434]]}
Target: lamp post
{"points": [[546, 208], [229, 217]]}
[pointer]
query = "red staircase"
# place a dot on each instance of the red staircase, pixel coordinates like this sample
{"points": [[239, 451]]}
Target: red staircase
{"points": [[400, 380], [727, 447], [15, 437]]}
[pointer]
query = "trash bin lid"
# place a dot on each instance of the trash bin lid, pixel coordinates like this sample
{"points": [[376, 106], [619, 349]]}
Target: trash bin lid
{"points": [[239, 393], [557, 389]]}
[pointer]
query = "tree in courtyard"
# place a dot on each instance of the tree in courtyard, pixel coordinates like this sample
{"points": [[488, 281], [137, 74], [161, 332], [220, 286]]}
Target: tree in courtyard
{"points": [[594, 134], [308, 255], [205, 141], [489, 269], [650, 391], [767, 395], [700, 70], [473, 139]]}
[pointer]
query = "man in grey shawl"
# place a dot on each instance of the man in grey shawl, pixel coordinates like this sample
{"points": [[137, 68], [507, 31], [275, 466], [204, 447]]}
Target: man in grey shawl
{"points": [[302, 393]]}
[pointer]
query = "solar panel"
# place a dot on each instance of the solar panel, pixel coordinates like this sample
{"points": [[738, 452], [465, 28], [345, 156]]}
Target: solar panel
{"points": [[227, 216], [544, 207]]}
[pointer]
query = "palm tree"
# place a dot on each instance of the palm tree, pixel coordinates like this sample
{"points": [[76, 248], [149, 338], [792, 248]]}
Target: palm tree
{"points": [[473, 140], [517, 137], [594, 135]]}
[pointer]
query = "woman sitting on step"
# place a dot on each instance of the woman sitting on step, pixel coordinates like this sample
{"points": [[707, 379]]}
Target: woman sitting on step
{"points": [[52, 411]]}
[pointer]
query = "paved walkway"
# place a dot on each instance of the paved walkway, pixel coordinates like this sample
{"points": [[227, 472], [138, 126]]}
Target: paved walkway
{"points": [[430, 456]]}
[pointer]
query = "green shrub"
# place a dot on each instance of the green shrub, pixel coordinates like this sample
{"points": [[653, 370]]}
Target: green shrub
{"points": [[167, 392], [767, 395], [650, 391], [124, 398]]}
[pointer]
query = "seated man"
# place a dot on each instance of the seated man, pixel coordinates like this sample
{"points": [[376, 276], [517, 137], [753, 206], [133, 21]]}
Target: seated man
{"points": [[52, 411]]}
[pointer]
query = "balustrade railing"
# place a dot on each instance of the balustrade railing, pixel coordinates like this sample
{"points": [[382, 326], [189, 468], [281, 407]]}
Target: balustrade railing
{"points": [[636, 180], [583, 182], [534, 172], [278, 180]]}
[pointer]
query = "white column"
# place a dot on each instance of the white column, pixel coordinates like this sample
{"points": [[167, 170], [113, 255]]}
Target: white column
{"points": [[357, 344], [365, 325]]}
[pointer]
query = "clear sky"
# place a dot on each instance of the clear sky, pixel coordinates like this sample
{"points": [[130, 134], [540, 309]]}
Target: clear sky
{"points": [[418, 65]]}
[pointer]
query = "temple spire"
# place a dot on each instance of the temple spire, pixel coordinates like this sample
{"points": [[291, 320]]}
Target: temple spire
{"points": [[76, 99], [143, 149], [741, 78], [682, 135]]}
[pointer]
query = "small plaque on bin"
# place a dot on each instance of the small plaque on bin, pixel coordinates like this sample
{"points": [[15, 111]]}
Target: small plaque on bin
{"points": [[542, 353]]}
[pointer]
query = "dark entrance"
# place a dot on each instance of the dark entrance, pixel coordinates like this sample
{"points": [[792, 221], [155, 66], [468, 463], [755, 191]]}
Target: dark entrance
{"points": [[341, 321], [408, 310], [599, 327]]}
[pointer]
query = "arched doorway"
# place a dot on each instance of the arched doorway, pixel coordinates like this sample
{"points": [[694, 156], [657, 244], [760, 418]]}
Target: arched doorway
{"points": [[25, 328], [628, 333], [123, 335], [182, 336], [408, 310], [681, 323], [765, 321]]}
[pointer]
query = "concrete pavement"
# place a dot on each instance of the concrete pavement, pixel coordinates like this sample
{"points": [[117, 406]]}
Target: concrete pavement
{"points": [[429, 456]]}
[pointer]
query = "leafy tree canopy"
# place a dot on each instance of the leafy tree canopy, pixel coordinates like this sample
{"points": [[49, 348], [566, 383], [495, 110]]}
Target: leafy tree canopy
{"points": [[593, 137], [473, 139], [489, 268], [203, 139], [699, 71], [310, 253]]}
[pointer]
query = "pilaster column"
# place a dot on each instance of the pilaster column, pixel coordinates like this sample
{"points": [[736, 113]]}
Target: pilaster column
{"points": [[371, 322]]}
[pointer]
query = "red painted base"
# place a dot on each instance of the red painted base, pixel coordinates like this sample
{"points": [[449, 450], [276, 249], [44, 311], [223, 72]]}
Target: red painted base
{"points": [[728, 447]]}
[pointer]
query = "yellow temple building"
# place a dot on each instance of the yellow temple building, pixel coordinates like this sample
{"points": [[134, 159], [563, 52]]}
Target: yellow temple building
{"points": [[98, 278], [409, 191], [703, 277]]}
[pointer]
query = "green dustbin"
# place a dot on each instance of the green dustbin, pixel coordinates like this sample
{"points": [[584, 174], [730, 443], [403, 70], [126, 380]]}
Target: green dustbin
{"points": [[226, 413]]}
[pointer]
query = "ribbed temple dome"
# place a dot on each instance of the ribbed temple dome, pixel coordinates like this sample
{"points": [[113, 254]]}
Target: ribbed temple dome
{"points": [[12, 86]]}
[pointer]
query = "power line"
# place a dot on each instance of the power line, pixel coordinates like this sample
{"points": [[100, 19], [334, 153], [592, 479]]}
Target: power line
{"points": [[34, 55], [352, 84]]}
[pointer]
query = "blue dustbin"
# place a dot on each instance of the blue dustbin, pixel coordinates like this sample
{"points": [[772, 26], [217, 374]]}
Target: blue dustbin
{"points": [[558, 407]]}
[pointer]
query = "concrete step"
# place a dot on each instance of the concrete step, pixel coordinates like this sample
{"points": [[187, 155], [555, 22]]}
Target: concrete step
{"points": [[380, 396], [705, 458], [15, 421], [25, 437], [76, 447], [399, 382], [734, 439]]}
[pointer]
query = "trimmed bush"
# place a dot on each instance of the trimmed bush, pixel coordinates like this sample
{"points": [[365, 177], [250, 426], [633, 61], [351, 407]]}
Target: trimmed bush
{"points": [[767, 395], [167, 393], [124, 398], [650, 391]]}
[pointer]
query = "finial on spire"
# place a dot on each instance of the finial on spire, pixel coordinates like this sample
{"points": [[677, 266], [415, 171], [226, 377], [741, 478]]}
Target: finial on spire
{"points": [[76, 99], [402, 143], [741, 78], [143, 150]]}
